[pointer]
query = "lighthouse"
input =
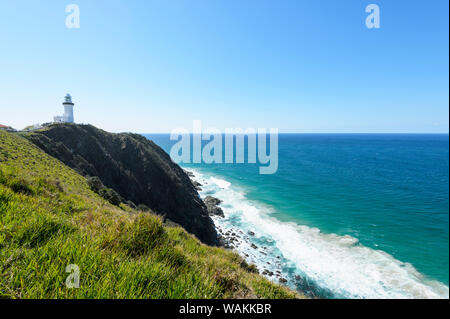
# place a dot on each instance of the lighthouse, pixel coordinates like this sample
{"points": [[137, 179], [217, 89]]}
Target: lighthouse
{"points": [[68, 108], [68, 111]]}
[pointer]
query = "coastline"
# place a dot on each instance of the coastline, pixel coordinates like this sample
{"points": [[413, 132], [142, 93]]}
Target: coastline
{"points": [[58, 219], [269, 244]]}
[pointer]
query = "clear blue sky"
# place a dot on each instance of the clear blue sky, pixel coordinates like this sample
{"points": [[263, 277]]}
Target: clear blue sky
{"points": [[300, 66]]}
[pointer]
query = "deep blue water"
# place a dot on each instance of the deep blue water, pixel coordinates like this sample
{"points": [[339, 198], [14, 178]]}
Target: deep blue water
{"points": [[368, 194]]}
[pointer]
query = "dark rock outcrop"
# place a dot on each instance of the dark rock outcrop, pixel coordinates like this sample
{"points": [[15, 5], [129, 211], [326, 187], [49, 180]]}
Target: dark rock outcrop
{"points": [[211, 205], [133, 166], [197, 185]]}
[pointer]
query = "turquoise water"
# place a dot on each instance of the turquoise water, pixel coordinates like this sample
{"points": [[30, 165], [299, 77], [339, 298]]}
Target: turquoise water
{"points": [[354, 215]]}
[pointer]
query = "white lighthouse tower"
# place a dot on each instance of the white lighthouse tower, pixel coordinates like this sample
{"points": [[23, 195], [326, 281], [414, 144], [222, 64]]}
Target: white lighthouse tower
{"points": [[68, 108], [68, 111]]}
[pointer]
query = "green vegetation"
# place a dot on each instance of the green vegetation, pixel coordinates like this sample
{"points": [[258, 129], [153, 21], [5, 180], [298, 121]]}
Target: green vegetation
{"points": [[141, 174], [50, 218], [107, 193]]}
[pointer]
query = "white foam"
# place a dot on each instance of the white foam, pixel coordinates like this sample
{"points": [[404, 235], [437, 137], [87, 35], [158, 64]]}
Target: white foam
{"points": [[221, 183], [337, 263]]}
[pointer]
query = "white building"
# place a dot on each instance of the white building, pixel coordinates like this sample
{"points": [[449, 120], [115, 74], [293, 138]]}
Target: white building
{"points": [[67, 117]]}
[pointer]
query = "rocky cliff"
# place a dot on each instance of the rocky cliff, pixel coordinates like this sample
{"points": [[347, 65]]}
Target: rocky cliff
{"points": [[135, 167]]}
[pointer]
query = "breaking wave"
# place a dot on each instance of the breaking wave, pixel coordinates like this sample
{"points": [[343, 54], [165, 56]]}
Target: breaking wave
{"points": [[326, 265]]}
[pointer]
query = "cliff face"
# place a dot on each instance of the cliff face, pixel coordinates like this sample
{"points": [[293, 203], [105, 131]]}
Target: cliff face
{"points": [[135, 167]]}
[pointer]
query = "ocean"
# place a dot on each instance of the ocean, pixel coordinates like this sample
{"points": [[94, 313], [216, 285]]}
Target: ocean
{"points": [[345, 216]]}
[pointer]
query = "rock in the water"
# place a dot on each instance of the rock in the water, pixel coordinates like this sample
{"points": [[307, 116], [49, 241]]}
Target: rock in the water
{"points": [[190, 174], [267, 273], [212, 200], [212, 208], [197, 185]]}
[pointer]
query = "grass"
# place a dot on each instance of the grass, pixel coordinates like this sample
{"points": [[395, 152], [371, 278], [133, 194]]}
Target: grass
{"points": [[50, 218]]}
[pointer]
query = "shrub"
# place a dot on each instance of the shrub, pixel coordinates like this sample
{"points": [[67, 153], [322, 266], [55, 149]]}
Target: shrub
{"points": [[143, 207], [57, 185], [52, 185], [131, 204], [111, 196], [249, 267], [95, 184], [2, 178], [170, 256], [145, 233], [40, 230], [228, 281], [17, 185], [21, 186], [4, 197]]}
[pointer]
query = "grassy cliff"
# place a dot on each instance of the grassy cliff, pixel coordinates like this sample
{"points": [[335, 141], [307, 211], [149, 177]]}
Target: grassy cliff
{"points": [[50, 218], [134, 167]]}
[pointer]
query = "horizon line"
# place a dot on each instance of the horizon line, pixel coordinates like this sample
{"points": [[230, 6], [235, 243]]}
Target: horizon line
{"points": [[329, 133]]}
